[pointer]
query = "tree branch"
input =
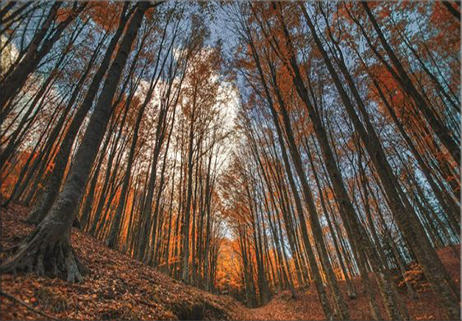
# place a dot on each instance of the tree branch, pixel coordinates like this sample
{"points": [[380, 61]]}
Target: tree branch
{"points": [[27, 306]]}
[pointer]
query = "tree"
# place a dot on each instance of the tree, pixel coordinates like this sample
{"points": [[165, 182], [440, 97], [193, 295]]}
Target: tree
{"points": [[48, 249]]}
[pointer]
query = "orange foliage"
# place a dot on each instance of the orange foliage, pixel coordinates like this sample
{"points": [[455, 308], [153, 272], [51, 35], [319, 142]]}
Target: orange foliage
{"points": [[106, 14], [63, 14]]}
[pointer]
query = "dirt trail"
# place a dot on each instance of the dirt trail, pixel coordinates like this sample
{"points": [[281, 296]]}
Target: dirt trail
{"points": [[284, 307], [306, 305], [122, 288]]}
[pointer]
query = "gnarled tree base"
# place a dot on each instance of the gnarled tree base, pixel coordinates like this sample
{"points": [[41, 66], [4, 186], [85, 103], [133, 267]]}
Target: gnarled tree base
{"points": [[44, 254]]}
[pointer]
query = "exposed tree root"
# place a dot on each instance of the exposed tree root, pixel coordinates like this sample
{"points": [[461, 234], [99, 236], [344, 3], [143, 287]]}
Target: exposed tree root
{"points": [[33, 217], [9, 296], [45, 254], [10, 249]]}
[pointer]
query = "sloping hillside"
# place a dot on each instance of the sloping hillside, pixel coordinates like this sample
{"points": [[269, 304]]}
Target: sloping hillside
{"points": [[307, 307], [118, 287]]}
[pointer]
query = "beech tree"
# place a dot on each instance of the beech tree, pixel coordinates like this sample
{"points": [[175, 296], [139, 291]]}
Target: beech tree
{"points": [[48, 248], [312, 143]]}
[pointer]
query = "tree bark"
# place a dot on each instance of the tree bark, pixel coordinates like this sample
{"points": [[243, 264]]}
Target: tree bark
{"points": [[50, 241]]}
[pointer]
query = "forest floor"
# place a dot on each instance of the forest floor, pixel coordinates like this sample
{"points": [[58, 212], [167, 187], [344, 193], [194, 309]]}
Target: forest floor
{"points": [[119, 287], [306, 306]]}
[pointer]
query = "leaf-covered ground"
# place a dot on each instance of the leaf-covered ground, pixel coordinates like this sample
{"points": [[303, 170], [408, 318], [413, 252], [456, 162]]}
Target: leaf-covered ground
{"points": [[118, 287], [305, 306], [122, 288]]}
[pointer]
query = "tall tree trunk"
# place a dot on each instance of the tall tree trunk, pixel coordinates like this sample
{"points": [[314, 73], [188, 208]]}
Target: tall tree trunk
{"points": [[404, 215], [50, 240], [51, 191]]}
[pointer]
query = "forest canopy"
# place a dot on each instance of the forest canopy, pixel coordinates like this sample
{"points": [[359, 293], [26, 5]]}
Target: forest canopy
{"points": [[243, 148]]}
